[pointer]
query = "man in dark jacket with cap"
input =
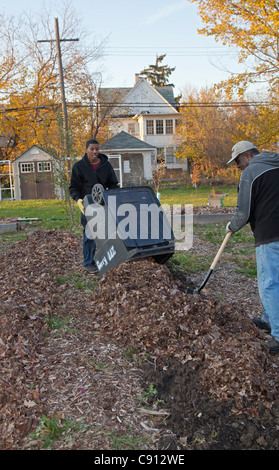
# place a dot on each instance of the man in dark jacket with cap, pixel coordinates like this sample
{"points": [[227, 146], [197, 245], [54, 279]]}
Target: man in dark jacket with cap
{"points": [[93, 168], [258, 204]]}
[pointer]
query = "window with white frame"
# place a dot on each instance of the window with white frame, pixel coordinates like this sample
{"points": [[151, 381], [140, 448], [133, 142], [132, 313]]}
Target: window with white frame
{"points": [[44, 166], [27, 167], [153, 159], [159, 126], [169, 126], [160, 155], [132, 128], [149, 127], [170, 156]]}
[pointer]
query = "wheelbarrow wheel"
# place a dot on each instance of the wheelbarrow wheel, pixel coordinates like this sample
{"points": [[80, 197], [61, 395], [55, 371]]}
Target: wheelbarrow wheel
{"points": [[97, 194]]}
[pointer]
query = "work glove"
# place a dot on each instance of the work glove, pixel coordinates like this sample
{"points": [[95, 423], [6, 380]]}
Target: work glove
{"points": [[80, 205], [228, 229]]}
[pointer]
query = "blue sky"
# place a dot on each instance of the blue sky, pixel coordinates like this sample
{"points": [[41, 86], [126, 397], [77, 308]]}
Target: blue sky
{"points": [[137, 31]]}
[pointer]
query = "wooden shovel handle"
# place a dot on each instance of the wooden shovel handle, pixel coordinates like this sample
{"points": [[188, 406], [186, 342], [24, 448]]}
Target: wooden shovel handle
{"points": [[220, 251]]}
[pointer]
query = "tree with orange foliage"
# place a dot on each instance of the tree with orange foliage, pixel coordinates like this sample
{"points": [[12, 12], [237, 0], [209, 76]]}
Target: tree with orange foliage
{"points": [[196, 175], [209, 127], [252, 26], [30, 87]]}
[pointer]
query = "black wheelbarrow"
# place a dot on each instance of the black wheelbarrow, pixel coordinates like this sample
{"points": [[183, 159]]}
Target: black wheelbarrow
{"points": [[127, 224]]}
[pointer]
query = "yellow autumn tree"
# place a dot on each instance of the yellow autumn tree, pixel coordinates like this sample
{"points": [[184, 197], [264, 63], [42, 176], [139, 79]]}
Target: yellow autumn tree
{"points": [[252, 26], [196, 175], [31, 104], [204, 130], [210, 125]]}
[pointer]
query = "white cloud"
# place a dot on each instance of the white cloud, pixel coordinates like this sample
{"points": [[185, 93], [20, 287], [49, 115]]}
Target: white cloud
{"points": [[165, 12]]}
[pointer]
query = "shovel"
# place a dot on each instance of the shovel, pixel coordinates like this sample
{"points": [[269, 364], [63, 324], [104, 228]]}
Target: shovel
{"points": [[214, 262]]}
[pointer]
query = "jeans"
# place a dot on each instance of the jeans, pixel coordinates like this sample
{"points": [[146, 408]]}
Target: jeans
{"points": [[88, 245], [268, 282]]}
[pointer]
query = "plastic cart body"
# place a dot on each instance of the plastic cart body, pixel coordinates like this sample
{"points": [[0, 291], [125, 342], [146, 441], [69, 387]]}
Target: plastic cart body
{"points": [[127, 224]]}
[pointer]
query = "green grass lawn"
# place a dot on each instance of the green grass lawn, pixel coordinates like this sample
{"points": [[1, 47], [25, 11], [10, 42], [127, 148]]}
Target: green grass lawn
{"points": [[56, 210], [53, 212], [198, 197]]}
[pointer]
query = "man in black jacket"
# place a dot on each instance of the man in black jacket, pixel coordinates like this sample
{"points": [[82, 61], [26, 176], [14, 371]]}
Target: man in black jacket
{"points": [[258, 204], [93, 168]]}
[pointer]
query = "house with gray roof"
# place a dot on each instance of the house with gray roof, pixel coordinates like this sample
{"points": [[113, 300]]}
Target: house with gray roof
{"points": [[147, 113]]}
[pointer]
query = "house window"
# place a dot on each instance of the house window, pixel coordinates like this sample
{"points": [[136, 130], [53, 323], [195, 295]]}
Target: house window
{"points": [[169, 126], [153, 159], [44, 166], [160, 155], [149, 127], [132, 128], [126, 166], [170, 157], [159, 126], [27, 167]]}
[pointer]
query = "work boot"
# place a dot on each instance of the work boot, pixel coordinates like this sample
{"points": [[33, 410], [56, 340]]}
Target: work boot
{"points": [[273, 346], [261, 324], [91, 268]]}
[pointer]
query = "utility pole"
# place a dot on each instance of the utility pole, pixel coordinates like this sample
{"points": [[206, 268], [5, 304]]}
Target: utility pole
{"points": [[61, 75]]}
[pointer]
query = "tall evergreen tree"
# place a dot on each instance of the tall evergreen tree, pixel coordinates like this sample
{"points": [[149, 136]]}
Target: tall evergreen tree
{"points": [[157, 74]]}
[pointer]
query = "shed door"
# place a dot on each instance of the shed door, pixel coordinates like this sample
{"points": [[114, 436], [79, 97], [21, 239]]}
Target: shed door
{"points": [[133, 170], [36, 180]]}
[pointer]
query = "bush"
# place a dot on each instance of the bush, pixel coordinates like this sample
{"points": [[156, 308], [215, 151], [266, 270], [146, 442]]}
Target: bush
{"points": [[221, 176]]}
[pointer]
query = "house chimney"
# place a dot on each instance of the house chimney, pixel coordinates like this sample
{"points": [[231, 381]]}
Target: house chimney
{"points": [[136, 78]]}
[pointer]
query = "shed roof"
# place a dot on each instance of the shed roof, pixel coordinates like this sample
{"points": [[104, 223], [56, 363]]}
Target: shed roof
{"points": [[123, 140], [33, 147]]}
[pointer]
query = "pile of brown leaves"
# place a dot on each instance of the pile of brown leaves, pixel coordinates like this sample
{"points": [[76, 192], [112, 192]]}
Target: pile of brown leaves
{"points": [[138, 306], [54, 372], [141, 305], [29, 294]]}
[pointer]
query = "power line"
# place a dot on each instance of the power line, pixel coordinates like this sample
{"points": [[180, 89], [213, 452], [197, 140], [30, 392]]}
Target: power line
{"points": [[183, 105], [28, 108], [132, 54], [151, 105], [170, 50]]}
